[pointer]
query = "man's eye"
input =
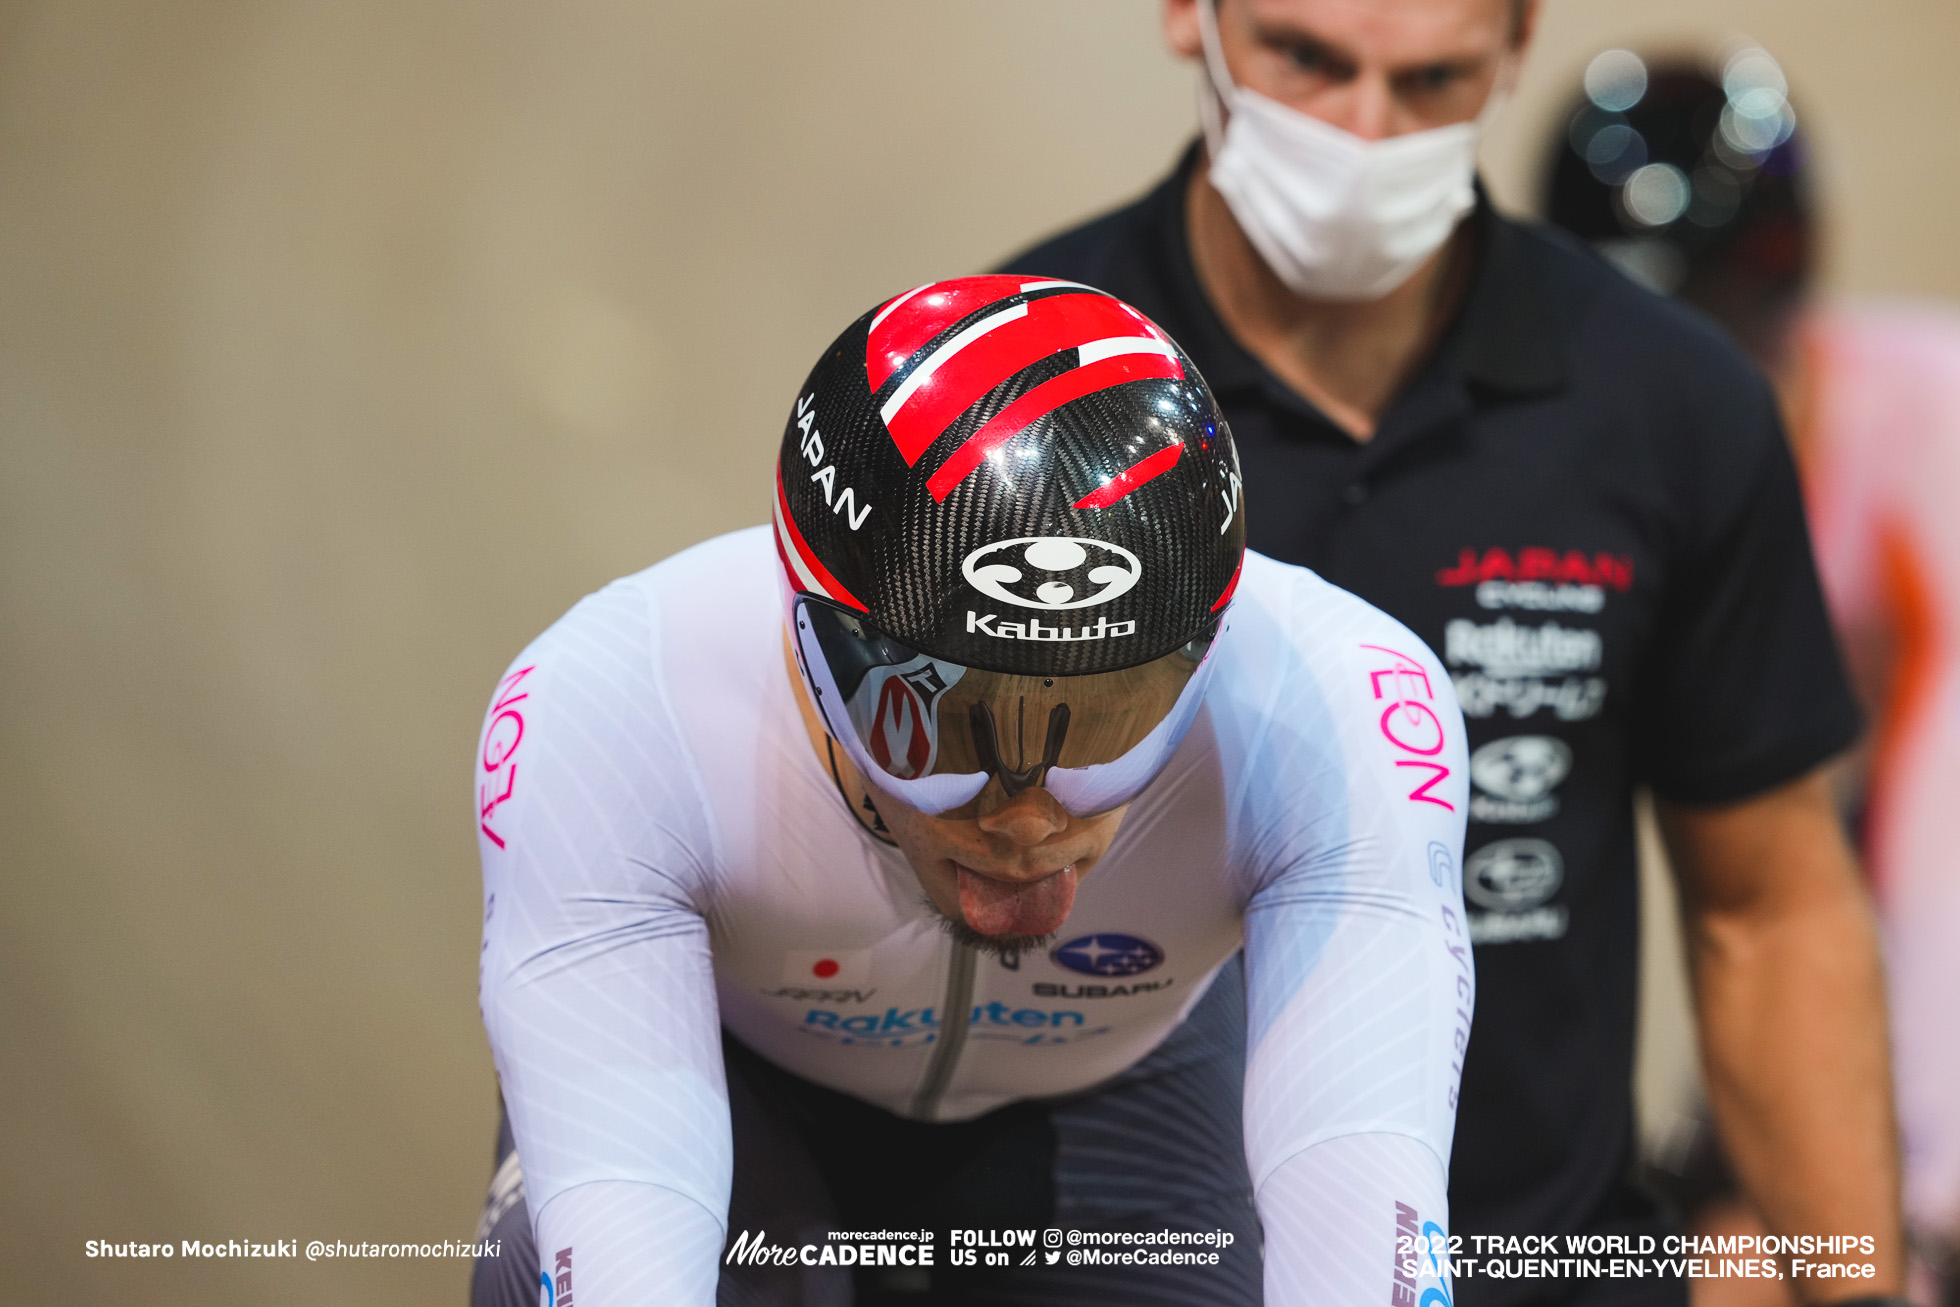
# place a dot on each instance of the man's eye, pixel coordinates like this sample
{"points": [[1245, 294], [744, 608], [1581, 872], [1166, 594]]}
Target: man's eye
{"points": [[1308, 59], [1439, 78]]}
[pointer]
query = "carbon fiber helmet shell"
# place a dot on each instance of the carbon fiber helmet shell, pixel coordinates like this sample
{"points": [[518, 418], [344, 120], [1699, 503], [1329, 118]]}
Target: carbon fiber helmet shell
{"points": [[1017, 475]]}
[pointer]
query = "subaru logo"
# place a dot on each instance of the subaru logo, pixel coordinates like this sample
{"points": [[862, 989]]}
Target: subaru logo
{"points": [[1521, 767], [1052, 572], [1511, 875], [1108, 955]]}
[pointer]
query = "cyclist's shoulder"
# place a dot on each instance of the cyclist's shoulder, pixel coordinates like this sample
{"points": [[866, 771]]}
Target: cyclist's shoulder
{"points": [[1300, 721], [630, 705], [1302, 622], [1306, 665], [665, 634], [711, 591], [729, 575]]}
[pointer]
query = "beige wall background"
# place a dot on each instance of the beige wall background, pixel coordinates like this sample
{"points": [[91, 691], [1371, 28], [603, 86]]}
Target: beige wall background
{"points": [[342, 347]]}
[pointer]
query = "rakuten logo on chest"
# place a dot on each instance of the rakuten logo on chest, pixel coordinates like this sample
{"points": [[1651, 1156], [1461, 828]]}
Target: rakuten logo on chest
{"points": [[901, 1027]]}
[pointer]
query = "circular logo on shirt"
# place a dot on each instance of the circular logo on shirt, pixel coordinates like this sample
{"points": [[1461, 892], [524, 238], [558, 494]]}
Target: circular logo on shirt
{"points": [[1510, 875], [1108, 955], [1052, 572], [1521, 767]]}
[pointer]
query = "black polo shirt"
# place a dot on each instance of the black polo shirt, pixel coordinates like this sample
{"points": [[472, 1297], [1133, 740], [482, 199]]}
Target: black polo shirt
{"points": [[1584, 502]]}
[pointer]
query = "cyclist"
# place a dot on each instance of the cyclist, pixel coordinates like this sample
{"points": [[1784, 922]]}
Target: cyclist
{"points": [[885, 867]]}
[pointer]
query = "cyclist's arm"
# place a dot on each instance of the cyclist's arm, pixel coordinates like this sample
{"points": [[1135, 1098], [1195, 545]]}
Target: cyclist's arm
{"points": [[611, 1068], [623, 1244], [1360, 984], [597, 985]]}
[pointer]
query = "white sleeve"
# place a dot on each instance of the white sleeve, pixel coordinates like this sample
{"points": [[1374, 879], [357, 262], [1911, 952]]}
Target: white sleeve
{"points": [[1360, 981], [1349, 1221], [597, 983], [594, 1242]]}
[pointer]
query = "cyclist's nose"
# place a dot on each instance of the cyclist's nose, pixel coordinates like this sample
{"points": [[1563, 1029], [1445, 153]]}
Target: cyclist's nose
{"points": [[1027, 819]]}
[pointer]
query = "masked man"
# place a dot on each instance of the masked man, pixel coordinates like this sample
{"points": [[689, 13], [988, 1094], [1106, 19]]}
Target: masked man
{"points": [[1581, 496]]}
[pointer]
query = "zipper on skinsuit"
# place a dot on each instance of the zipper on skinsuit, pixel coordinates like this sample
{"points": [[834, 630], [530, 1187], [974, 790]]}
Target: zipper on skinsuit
{"points": [[957, 1011]]}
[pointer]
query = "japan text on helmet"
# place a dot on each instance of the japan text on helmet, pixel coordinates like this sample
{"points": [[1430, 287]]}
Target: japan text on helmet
{"points": [[1010, 522]]}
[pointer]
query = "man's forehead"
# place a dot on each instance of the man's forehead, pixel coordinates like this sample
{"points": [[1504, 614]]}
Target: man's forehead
{"points": [[1397, 32]]}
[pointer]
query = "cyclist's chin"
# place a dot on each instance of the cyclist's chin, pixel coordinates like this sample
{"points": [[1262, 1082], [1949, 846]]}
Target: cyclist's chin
{"points": [[1006, 947]]}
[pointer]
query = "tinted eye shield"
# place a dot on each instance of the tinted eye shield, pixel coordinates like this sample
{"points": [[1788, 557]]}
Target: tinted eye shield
{"points": [[933, 733]]}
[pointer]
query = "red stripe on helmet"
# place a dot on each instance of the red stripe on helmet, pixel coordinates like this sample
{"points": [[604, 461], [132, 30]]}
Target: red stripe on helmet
{"points": [[806, 571], [1131, 477], [905, 324], [1038, 403], [1050, 325], [1230, 586]]}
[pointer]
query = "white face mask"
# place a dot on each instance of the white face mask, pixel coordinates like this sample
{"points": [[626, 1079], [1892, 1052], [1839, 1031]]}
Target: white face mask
{"points": [[1334, 216]]}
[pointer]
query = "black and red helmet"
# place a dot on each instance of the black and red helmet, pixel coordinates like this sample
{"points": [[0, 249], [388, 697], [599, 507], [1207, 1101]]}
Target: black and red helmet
{"points": [[1010, 521], [1013, 474]]}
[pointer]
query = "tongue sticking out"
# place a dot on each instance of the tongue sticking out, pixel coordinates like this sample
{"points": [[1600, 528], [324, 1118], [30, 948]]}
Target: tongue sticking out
{"points": [[998, 907]]}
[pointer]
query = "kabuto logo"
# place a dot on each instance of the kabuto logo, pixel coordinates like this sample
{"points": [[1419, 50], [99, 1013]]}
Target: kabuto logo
{"points": [[1108, 955], [1053, 573]]}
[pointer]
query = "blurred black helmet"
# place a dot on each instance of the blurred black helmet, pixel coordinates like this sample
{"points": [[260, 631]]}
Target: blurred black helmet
{"points": [[1013, 474], [1692, 183]]}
